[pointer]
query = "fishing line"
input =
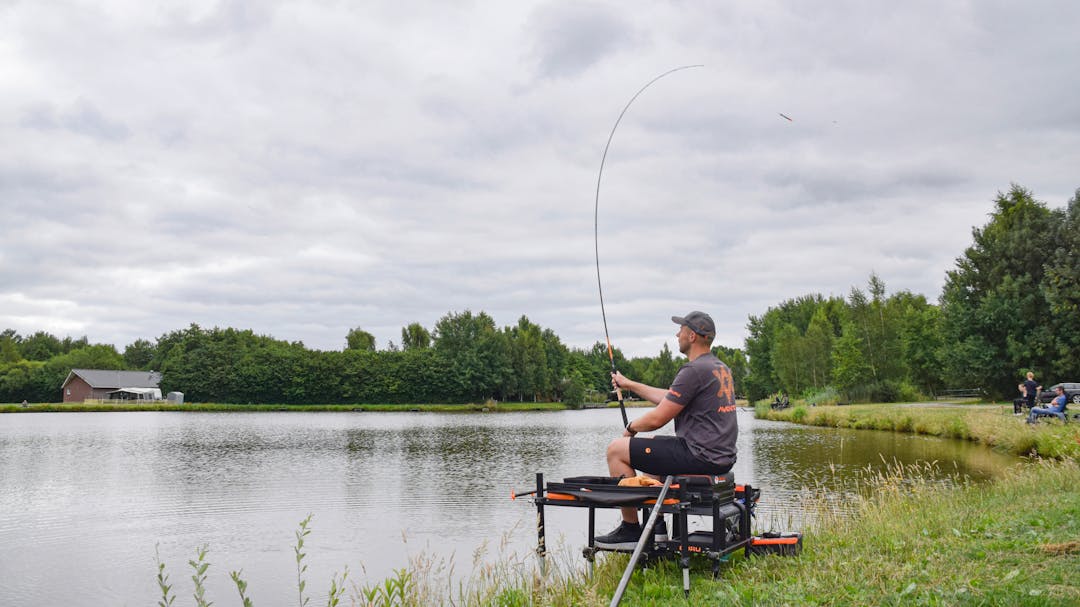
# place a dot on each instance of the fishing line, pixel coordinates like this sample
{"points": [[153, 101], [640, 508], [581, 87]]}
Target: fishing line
{"points": [[596, 227]]}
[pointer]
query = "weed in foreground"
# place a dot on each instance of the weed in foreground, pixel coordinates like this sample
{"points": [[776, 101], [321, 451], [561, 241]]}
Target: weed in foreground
{"points": [[505, 579], [301, 533], [199, 566], [241, 587], [163, 581]]}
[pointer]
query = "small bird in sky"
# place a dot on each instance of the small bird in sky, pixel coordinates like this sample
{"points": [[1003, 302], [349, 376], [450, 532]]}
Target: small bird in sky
{"points": [[785, 117]]}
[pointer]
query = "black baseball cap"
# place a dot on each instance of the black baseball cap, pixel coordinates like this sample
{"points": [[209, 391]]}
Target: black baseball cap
{"points": [[699, 322]]}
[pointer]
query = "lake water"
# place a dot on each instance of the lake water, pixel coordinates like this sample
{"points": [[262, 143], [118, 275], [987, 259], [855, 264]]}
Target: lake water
{"points": [[87, 498]]}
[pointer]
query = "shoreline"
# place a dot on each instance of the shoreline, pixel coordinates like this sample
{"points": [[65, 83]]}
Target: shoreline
{"points": [[487, 407], [238, 408]]}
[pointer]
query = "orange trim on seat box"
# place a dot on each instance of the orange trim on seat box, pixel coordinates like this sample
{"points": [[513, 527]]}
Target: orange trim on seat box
{"points": [[773, 541], [561, 496]]}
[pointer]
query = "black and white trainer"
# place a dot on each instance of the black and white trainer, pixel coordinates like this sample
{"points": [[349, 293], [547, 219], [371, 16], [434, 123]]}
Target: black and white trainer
{"points": [[624, 537]]}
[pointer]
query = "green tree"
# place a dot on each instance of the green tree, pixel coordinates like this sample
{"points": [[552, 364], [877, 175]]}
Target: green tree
{"points": [[788, 358], [1062, 290], [415, 337], [41, 346], [994, 313], [139, 354], [69, 343], [661, 372], [574, 391], [476, 355], [850, 368], [920, 343], [556, 355], [529, 362], [359, 339], [817, 349], [21, 381], [9, 347], [761, 347]]}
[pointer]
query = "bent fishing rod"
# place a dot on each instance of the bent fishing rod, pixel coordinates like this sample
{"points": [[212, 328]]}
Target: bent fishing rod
{"points": [[596, 231]]}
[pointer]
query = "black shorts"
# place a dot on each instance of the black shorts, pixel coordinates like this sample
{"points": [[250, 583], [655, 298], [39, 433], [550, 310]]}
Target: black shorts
{"points": [[669, 455]]}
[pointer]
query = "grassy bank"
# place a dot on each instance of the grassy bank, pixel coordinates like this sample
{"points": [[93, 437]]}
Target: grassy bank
{"points": [[992, 425], [1015, 541], [166, 406]]}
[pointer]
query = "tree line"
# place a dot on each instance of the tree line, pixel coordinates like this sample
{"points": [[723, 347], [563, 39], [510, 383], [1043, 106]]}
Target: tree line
{"points": [[466, 357], [1010, 304]]}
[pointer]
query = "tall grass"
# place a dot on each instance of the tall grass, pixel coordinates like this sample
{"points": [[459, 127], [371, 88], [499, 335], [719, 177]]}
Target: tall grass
{"points": [[906, 540]]}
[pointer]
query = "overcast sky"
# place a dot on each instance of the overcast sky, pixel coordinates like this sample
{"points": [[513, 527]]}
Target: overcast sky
{"points": [[303, 168]]}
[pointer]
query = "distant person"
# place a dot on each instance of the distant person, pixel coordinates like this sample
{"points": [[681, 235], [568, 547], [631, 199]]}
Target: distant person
{"points": [[1056, 408], [701, 400], [1018, 403], [1031, 388], [781, 401]]}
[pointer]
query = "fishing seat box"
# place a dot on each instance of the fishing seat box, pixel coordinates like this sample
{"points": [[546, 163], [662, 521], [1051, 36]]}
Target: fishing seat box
{"points": [[698, 490]]}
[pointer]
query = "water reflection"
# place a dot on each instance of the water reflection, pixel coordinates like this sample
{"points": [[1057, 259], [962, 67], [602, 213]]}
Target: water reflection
{"points": [[84, 498]]}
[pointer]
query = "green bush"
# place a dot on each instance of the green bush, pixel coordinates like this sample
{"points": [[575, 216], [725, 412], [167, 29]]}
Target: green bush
{"points": [[828, 396]]}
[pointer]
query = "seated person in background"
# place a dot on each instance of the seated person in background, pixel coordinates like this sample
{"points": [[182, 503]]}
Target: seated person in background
{"points": [[701, 400], [1018, 403], [781, 401], [1056, 408]]}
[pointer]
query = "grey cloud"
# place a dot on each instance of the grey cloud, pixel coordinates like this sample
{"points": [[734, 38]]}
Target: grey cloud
{"points": [[80, 117], [24, 184], [226, 18], [570, 37], [820, 184]]}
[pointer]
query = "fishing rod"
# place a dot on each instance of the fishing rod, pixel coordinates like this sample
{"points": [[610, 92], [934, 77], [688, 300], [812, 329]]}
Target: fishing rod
{"points": [[596, 231]]}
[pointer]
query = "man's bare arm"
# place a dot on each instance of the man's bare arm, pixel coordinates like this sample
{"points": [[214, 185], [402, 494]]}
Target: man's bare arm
{"points": [[652, 394], [657, 417]]}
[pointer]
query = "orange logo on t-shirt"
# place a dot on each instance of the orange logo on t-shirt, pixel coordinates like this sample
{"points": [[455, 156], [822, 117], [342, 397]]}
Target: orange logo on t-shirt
{"points": [[727, 385]]}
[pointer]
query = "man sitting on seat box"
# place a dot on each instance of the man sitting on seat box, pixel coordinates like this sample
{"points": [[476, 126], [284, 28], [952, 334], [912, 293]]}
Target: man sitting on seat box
{"points": [[701, 400]]}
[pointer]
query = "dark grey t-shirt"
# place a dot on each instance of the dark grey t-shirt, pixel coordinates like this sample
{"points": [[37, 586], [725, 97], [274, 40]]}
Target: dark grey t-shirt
{"points": [[706, 391]]}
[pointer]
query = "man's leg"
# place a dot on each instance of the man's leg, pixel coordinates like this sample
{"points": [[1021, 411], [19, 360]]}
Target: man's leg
{"points": [[618, 463]]}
